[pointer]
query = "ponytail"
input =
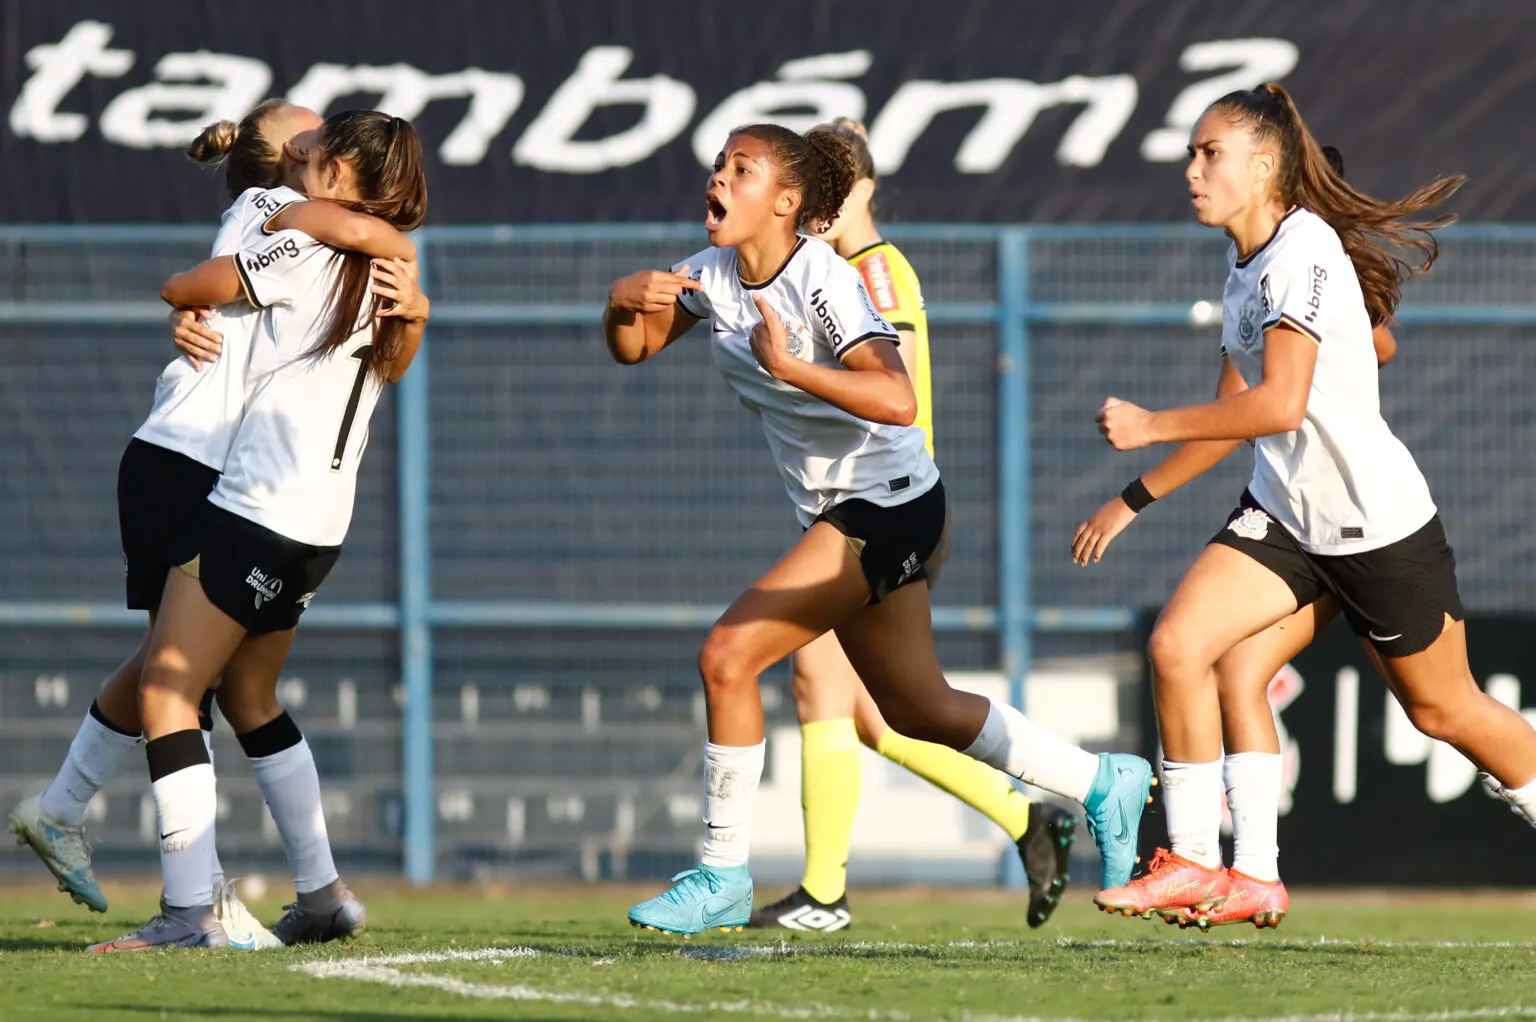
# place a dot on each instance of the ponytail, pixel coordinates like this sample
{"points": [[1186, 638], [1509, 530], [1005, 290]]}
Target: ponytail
{"points": [[1385, 242], [248, 159]]}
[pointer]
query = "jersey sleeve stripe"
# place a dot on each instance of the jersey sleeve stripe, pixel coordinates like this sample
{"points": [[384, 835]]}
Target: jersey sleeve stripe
{"points": [[245, 283], [683, 304], [873, 335], [266, 225], [909, 327], [1297, 325]]}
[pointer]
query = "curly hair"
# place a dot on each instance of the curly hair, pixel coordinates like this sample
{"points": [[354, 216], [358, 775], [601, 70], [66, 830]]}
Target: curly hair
{"points": [[820, 163]]}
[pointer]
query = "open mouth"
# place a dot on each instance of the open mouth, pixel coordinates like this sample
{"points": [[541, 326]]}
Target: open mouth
{"points": [[714, 213]]}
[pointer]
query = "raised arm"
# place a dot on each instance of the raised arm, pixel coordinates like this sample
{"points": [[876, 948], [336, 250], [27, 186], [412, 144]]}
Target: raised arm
{"points": [[214, 282], [1188, 461], [643, 315], [339, 227]]}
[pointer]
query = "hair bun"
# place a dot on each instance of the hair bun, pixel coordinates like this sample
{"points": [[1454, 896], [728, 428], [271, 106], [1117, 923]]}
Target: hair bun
{"points": [[857, 127], [214, 142]]}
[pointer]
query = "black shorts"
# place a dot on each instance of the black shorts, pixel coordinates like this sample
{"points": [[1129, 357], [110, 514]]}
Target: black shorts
{"points": [[1397, 597], [159, 493], [262, 580], [893, 544]]}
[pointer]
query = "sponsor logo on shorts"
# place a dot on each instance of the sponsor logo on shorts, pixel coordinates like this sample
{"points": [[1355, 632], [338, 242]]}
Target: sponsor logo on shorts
{"points": [[1382, 638], [303, 601], [267, 586], [1251, 524], [909, 567]]}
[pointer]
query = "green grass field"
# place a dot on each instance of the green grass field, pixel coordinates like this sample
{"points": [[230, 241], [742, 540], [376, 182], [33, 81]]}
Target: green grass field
{"points": [[567, 953]]}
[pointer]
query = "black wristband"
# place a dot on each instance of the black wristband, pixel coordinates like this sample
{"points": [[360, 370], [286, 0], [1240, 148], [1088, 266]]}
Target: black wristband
{"points": [[1136, 495]]}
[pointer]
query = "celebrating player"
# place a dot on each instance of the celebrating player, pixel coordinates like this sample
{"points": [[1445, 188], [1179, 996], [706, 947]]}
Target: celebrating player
{"points": [[1251, 763], [1336, 504], [259, 548], [836, 712], [170, 466], [795, 335]]}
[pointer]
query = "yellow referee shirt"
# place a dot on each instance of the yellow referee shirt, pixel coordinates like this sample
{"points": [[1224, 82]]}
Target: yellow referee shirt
{"points": [[893, 287]]}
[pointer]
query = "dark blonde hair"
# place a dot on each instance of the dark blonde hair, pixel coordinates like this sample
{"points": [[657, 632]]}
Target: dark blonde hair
{"points": [[385, 156], [821, 164], [1384, 243], [249, 160]]}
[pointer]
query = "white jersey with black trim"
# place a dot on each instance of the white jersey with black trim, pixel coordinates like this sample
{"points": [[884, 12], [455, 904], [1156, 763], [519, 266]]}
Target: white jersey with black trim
{"points": [[293, 465], [826, 455], [1342, 483], [196, 413]]}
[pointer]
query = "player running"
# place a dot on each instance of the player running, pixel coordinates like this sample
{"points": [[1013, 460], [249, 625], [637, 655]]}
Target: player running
{"points": [[272, 527], [1336, 504], [1251, 762], [795, 334], [167, 471], [836, 712]]}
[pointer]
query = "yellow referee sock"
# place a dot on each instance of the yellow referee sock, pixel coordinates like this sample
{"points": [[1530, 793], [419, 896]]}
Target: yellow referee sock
{"points": [[973, 782], [830, 780]]}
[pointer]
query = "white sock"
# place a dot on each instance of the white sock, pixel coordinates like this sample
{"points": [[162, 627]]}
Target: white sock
{"points": [[1017, 746], [731, 776], [94, 756], [1253, 793], [186, 805], [291, 786], [218, 867], [1192, 800], [1523, 800]]}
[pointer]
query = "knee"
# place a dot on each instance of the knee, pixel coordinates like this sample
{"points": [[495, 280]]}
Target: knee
{"points": [[1174, 654], [1442, 721], [724, 665]]}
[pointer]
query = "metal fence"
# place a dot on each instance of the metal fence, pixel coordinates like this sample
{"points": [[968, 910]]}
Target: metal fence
{"points": [[499, 674]]}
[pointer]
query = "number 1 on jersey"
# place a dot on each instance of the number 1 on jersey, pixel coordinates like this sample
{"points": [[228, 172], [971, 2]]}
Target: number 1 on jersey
{"points": [[364, 355]]}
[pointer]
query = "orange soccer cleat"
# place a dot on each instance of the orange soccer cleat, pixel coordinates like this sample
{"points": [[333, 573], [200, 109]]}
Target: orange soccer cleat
{"points": [[1171, 882], [1262, 903]]}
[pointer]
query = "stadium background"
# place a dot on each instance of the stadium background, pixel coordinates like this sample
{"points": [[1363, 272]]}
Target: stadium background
{"points": [[541, 536]]}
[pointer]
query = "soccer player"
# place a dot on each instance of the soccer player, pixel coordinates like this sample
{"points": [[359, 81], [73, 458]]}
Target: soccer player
{"points": [[1336, 504], [836, 712], [272, 527], [1251, 764], [167, 471], [797, 337]]}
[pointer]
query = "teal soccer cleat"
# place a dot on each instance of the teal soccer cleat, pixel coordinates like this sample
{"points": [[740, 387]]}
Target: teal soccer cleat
{"points": [[699, 899], [1120, 792], [62, 849]]}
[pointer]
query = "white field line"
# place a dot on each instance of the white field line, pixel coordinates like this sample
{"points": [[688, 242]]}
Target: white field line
{"points": [[380, 970]]}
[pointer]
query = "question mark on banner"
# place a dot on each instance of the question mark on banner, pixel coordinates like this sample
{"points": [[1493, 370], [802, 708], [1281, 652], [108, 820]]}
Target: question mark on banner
{"points": [[1257, 61]]}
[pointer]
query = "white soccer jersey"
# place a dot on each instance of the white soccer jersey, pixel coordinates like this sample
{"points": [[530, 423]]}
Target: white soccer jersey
{"points": [[196, 413], [825, 454], [1342, 483], [293, 465]]}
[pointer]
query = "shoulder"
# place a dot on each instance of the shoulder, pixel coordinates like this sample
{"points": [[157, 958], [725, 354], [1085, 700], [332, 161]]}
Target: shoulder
{"points": [[1305, 236]]}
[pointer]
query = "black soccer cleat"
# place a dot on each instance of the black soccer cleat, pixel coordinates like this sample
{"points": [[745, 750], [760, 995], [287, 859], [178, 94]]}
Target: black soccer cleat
{"points": [[1045, 848], [300, 925], [800, 911]]}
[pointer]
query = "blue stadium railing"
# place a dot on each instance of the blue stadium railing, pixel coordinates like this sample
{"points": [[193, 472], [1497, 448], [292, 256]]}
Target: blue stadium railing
{"points": [[416, 614]]}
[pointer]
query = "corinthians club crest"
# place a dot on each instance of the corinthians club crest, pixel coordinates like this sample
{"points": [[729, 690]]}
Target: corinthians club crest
{"points": [[1251, 524]]}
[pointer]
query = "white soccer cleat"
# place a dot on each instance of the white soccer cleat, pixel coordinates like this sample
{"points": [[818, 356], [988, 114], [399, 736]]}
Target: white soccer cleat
{"points": [[245, 931], [62, 849]]}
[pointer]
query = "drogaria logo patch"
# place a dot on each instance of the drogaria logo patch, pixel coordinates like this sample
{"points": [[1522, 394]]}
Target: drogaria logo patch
{"points": [[879, 282]]}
